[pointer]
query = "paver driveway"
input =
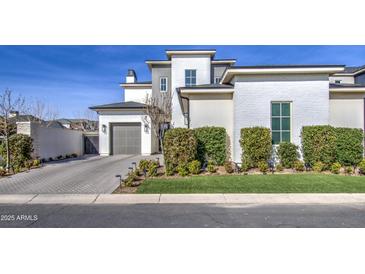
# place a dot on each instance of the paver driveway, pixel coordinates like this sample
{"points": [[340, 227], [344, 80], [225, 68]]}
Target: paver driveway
{"points": [[88, 175]]}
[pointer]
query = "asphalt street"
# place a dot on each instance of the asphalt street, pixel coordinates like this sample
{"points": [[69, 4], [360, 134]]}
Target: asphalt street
{"points": [[183, 215]]}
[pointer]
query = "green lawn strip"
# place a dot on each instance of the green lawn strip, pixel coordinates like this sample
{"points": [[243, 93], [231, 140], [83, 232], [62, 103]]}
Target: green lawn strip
{"points": [[277, 183]]}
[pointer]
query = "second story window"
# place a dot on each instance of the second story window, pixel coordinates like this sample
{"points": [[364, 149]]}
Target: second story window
{"points": [[163, 84], [190, 77], [217, 80]]}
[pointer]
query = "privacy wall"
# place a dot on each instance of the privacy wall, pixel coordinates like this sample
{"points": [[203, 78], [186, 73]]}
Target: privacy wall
{"points": [[52, 142]]}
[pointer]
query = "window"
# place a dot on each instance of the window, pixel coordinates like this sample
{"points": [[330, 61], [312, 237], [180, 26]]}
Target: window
{"points": [[217, 80], [190, 77], [337, 81], [163, 84], [280, 122]]}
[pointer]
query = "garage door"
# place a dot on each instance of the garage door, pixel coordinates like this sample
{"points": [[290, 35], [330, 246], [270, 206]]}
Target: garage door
{"points": [[126, 138]]}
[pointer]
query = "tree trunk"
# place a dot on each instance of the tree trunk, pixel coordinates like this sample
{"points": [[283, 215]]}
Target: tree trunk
{"points": [[7, 153]]}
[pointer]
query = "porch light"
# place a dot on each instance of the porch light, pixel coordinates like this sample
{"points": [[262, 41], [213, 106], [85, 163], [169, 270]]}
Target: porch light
{"points": [[103, 128], [146, 128], [186, 119]]}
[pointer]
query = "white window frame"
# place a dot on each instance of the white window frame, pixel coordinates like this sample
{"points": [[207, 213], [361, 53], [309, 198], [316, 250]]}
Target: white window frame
{"points": [[190, 77], [166, 85], [217, 79], [281, 116]]}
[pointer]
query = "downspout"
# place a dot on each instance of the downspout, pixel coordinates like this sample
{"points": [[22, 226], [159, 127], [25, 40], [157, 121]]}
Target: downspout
{"points": [[188, 110]]}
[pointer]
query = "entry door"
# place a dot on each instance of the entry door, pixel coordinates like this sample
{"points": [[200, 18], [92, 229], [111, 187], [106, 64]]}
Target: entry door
{"points": [[126, 138]]}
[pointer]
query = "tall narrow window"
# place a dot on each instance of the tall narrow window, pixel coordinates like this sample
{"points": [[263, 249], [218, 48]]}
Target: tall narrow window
{"points": [[163, 84], [190, 77], [280, 122]]}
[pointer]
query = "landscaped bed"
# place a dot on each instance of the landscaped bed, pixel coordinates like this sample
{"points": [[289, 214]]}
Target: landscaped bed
{"points": [[277, 183]]}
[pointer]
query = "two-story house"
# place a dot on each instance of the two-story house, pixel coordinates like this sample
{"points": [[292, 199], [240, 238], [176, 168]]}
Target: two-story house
{"points": [[214, 92]]}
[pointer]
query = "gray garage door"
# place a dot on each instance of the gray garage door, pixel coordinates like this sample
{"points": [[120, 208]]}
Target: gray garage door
{"points": [[126, 138]]}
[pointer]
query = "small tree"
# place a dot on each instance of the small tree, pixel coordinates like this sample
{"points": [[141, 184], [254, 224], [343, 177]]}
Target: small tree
{"points": [[7, 128], [159, 109]]}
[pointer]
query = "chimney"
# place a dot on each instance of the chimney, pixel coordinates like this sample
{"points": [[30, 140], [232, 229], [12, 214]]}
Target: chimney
{"points": [[13, 113], [131, 76]]}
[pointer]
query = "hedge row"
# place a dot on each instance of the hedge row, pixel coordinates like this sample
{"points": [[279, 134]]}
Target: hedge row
{"points": [[21, 148], [182, 145], [328, 145]]}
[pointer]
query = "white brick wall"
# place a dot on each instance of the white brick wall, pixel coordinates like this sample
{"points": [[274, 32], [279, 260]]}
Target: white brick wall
{"points": [[253, 95], [178, 66]]}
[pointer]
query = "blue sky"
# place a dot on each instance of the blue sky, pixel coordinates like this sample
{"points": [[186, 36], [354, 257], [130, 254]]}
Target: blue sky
{"points": [[72, 78]]}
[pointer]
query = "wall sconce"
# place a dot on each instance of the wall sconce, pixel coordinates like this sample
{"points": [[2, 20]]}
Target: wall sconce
{"points": [[103, 128], [186, 119], [146, 128]]}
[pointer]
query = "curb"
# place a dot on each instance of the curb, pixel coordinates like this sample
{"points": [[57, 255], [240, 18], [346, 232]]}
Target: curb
{"points": [[99, 199]]}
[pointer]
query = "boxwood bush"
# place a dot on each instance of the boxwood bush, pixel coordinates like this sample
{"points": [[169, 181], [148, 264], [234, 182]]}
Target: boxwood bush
{"points": [[349, 146], [288, 154], [256, 145], [319, 145], [212, 144], [180, 146]]}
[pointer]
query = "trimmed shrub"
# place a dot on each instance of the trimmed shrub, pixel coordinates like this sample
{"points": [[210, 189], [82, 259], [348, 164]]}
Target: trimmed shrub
{"points": [[211, 144], [169, 170], [318, 167], [349, 146], [288, 154], [245, 167], [319, 144], [194, 167], [263, 167], [183, 169], [279, 167], [21, 148], [299, 166], [361, 167], [180, 147], [211, 167], [143, 165], [335, 168], [348, 170], [228, 166], [256, 145], [2, 171]]}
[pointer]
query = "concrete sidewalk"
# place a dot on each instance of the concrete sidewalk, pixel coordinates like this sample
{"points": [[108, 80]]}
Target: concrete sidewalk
{"points": [[340, 198]]}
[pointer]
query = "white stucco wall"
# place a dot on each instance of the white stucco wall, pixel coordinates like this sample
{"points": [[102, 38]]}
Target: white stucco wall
{"points": [[347, 110], [212, 110], [253, 95], [52, 142], [106, 118], [179, 64], [136, 94]]}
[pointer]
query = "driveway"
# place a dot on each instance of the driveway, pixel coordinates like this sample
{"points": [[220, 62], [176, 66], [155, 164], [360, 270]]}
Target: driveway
{"points": [[94, 174]]}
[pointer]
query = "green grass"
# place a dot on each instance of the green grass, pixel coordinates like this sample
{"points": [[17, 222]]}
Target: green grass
{"points": [[278, 183]]}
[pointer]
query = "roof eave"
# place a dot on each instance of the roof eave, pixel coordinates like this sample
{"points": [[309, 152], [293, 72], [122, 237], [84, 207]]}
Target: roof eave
{"points": [[231, 72]]}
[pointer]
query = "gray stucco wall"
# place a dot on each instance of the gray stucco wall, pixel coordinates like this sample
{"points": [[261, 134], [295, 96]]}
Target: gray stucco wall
{"points": [[308, 94], [157, 72], [360, 79], [217, 71]]}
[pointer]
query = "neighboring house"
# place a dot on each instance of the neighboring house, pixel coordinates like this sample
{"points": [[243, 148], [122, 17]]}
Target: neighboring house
{"points": [[213, 92], [79, 124]]}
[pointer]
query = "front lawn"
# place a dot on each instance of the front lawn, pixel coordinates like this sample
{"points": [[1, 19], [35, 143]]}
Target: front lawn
{"points": [[278, 183]]}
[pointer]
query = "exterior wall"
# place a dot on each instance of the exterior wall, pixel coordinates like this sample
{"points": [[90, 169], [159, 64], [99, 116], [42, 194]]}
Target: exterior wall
{"points": [[157, 72], [218, 71], [136, 94], [108, 117], [343, 79], [253, 96], [178, 66], [203, 112], [52, 142], [347, 110], [360, 79]]}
